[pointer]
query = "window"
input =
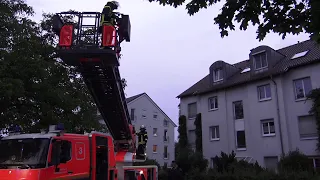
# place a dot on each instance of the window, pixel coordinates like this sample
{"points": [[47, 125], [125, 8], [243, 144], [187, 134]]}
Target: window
{"points": [[144, 113], [213, 103], [271, 163], [155, 115], [165, 135], [300, 54], [241, 140], [315, 162], [302, 87], [307, 127], [132, 114], [238, 110], [192, 136], [214, 133], [155, 132], [268, 128], [212, 162], [165, 152], [247, 69], [264, 92], [165, 165], [217, 76], [154, 149], [260, 60], [192, 110], [165, 123], [65, 150]]}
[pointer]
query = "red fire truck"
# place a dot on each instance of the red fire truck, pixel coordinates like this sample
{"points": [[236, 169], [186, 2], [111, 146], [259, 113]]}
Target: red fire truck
{"points": [[55, 154]]}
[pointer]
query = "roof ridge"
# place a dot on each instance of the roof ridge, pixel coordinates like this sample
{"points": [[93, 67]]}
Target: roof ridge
{"points": [[294, 44]]}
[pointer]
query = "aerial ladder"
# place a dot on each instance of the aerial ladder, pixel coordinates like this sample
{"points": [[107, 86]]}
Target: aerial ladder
{"points": [[95, 51]]}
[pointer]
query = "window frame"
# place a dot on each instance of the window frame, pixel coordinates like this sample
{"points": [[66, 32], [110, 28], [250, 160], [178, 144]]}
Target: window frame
{"points": [[193, 117], [255, 60], [164, 153], [245, 141], [154, 148], [132, 114], [234, 110], [268, 121], [220, 75], [213, 129], [265, 92], [303, 87], [305, 138], [193, 131], [166, 123], [216, 105], [144, 113], [156, 133], [165, 138]]}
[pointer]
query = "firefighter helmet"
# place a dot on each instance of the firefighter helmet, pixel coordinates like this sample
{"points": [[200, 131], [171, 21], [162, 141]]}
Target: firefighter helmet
{"points": [[142, 127], [113, 4]]}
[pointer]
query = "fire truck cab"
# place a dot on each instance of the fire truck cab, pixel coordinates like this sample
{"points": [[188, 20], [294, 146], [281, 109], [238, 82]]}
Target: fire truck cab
{"points": [[58, 155]]}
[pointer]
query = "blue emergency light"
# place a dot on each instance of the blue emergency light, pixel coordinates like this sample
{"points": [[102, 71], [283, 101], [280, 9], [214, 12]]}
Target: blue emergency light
{"points": [[60, 127]]}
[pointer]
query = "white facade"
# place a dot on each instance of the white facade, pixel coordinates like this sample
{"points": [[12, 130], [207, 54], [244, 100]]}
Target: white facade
{"points": [[144, 111], [258, 120]]}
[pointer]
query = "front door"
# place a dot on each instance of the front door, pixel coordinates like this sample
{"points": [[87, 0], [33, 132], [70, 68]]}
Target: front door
{"points": [[60, 151], [102, 162]]}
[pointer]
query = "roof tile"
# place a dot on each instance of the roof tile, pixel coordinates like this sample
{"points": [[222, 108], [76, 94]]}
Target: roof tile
{"points": [[313, 55]]}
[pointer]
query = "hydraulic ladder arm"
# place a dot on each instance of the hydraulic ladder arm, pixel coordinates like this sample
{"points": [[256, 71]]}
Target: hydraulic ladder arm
{"points": [[81, 45]]}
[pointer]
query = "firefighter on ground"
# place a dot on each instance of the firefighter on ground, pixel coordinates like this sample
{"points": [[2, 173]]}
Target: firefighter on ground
{"points": [[108, 16], [142, 140]]}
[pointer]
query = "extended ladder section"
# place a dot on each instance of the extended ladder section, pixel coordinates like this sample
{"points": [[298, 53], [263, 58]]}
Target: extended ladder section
{"points": [[81, 45]]}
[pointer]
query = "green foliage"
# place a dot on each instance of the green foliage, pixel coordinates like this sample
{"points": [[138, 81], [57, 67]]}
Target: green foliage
{"points": [[295, 161], [198, 132], [314, 95], [163, 174], [182, 130], [36, 88], [281, 16]]}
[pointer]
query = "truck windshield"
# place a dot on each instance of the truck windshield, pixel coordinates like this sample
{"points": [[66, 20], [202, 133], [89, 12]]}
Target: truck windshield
{"points": [[25, 153]]}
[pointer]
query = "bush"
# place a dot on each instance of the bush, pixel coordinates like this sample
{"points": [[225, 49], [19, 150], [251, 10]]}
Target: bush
{"points": [[163, 174], [295, 161]]}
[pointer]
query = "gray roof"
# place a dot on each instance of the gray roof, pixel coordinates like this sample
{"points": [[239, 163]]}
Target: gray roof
{"points": [[129, 99], [313, 56]]}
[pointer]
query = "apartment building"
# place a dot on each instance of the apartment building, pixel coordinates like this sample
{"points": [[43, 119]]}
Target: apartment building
{"points": [[257, 107], [144, 111]]}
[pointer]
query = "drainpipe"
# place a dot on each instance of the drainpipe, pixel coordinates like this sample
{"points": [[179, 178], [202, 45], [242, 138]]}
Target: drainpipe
{"points": [[228, 130], [278, 114]]}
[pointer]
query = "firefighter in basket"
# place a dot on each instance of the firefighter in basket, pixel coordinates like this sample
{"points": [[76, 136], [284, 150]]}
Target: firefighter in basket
{"points": [[108, 16], [142, 141]]}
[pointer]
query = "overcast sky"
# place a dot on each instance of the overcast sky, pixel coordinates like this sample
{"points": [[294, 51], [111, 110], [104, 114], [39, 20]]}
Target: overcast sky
{"points": [[170, 50]]}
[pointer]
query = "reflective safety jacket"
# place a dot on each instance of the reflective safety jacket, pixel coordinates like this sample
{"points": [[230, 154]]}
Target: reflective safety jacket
{"points": [[143, 137], [107, 16]]}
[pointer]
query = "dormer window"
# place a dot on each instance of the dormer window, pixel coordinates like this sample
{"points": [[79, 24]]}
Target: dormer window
{"points": [[217, 75], [260, 60]]}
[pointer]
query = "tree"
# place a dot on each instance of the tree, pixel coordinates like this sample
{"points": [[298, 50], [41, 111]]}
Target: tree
{"points": [[198, 124], [279, 16], [36, 88]]}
